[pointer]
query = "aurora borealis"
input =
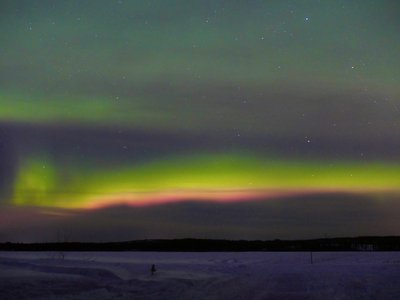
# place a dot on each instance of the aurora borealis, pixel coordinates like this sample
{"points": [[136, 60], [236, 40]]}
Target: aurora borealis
{"points": [[217, 119]]}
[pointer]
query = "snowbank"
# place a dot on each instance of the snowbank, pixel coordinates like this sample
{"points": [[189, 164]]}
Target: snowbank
{"points": [[250, 275]]}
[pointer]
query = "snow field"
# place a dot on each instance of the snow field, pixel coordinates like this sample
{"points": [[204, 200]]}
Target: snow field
{"points": [[209, 275]]}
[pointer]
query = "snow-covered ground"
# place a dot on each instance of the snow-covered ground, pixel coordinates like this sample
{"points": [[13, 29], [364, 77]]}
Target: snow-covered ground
{"points": [[249, 275]]}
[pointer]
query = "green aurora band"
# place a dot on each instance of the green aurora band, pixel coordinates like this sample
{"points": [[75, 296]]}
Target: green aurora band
{"points": [[80, 186]]}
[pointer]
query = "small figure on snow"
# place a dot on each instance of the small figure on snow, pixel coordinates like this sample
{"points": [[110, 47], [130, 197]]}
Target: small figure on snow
{"points": [[153, 269]]}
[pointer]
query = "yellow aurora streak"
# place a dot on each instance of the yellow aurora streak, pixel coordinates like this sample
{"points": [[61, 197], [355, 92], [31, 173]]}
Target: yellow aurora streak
{"points": [[215, 177]]}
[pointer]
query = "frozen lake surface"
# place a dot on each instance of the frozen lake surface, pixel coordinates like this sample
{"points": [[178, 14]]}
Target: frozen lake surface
{"points": [[211, 275]]}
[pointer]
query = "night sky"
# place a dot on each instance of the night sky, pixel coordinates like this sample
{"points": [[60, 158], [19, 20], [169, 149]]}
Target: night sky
{"points": [[128, 120]]}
